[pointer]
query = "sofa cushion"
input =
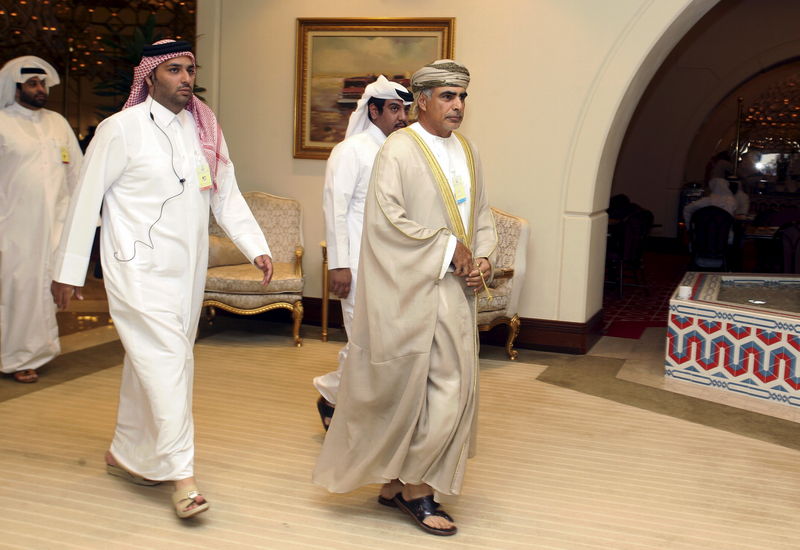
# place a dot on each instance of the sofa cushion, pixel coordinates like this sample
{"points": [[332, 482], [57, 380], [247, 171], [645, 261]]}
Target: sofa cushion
{"points": [[246, 279], [222, 251]]}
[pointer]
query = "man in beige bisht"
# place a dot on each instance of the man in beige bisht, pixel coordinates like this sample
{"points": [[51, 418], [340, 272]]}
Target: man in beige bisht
{"points": [[405, 416]]}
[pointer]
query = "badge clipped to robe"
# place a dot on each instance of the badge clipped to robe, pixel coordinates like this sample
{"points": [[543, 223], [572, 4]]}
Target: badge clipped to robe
{"points": [[64, 155], [459, 190], [204, 176]]}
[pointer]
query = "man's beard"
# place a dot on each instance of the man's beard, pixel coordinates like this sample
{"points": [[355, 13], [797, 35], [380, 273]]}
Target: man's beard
{"points": [[36, 100]]}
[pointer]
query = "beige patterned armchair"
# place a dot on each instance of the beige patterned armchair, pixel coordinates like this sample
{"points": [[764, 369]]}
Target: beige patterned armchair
{"points": [[234, 284], [509, 272]]}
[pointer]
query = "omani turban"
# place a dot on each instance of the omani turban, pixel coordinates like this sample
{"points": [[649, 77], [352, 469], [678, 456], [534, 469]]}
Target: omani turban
{"points": [[443, 72]]}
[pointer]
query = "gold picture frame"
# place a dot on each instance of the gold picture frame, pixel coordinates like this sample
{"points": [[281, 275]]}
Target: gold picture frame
{"points": [[336, 58]]}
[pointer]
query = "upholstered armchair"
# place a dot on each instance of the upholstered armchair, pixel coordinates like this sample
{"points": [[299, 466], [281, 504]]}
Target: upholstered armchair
{"points": [[505, 286], [234, 284], [509, 272]]}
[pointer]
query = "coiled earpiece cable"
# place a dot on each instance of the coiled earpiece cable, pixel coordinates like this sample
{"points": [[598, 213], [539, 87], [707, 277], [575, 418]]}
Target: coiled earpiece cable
{"points": [[181, 180]]}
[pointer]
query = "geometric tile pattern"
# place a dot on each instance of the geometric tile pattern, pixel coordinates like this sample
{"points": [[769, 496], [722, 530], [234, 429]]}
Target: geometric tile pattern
{"points": [[745, 352]]}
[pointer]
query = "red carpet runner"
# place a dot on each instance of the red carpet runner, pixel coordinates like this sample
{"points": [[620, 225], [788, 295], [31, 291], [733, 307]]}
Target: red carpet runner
{"points": [[641, 308]]}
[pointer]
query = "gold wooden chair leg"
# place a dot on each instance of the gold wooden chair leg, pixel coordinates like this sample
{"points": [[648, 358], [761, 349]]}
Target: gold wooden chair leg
{"points": [[211, 312], [297, 315], [325, 291], [513, 332]]}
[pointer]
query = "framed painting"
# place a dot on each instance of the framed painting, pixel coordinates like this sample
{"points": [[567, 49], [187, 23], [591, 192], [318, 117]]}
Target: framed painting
{"points": [[337, 58]]}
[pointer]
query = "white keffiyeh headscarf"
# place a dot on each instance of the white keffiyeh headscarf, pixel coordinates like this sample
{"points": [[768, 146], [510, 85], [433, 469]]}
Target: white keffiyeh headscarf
{"points": [[382, 88], [20, 70]]}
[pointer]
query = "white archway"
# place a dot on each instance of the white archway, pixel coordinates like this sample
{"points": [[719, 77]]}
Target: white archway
{"points": [[609, 106]]}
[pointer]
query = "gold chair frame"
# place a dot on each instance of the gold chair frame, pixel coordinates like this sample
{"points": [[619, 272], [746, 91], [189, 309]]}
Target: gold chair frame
{"points": [[513, 323], [295, 307]]}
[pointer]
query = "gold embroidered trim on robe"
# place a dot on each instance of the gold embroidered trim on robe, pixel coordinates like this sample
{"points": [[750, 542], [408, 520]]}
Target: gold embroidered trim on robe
{"points": [[447, 194], [444, 187]]}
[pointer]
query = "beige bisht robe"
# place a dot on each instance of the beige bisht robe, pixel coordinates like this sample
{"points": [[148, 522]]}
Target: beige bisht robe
{"points": [[409, 390]]}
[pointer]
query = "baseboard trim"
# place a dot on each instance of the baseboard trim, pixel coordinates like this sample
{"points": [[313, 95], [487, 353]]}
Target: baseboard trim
{"points": [[312, 312], [560, 336], [536, 334]]}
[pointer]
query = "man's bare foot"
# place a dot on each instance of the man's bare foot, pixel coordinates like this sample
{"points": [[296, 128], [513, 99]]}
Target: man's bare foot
{"points": [[412, 492], [391, 489], [186, 485], [110, 459], [27, 376]]}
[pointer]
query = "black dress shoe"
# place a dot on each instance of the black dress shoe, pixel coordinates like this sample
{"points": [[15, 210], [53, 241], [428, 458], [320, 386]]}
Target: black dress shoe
{"points": [[325, 412]]}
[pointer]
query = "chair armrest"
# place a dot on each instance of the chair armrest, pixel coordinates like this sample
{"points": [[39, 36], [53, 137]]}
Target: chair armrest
{"points": [[503, 273], [298, 261]]}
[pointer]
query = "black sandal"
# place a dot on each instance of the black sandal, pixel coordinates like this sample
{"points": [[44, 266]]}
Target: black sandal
{"points": [[388, 501], [325, 411], [421, 508]]}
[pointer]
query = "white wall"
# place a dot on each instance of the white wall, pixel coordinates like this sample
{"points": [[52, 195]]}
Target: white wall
{"points": [[554, 83]]}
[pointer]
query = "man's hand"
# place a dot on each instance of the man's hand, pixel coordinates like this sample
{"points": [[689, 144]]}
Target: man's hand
{"points": [[339, 281], [264, 263], [474, 277], [462, 260], [62, 293]]}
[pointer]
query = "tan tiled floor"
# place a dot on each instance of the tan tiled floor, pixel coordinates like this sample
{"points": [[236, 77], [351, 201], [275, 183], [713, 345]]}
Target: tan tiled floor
{"points": [[557, 467], [575, 452]]}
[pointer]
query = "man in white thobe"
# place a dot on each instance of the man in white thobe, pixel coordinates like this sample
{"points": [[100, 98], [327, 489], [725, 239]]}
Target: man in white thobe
{"points": [[156, 167], [39, 164], [406, 414], [380, 111]]}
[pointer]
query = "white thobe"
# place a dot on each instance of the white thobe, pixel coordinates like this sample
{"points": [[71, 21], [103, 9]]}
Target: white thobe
{"points": [[154, 244], [39, 164], [346, 181]]}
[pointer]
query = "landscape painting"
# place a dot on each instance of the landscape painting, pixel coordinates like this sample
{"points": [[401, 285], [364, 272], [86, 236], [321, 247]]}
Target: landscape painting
{"points": [[337, 59]]}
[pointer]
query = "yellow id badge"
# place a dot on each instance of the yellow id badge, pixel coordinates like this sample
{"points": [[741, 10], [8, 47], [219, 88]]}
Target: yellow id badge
{"points": [[459, 190], [203, 176], [64, 155]]}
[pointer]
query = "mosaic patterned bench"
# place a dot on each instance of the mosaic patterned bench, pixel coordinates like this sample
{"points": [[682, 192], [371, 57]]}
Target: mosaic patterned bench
{"points": [[738, 333]]}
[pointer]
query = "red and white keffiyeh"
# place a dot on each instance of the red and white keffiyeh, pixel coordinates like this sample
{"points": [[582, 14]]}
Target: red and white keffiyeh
{"points": [[208, 129]]}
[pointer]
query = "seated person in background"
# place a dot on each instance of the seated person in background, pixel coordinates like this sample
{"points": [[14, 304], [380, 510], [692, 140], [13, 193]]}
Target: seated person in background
{"points": [[720, 196], [719, 166], [742, 200], [619, 208]]}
